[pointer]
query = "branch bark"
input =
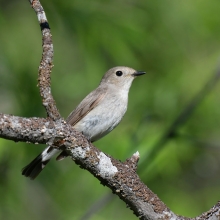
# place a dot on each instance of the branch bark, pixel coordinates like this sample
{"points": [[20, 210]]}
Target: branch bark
{"points": [[46, 63], [120, 177]]}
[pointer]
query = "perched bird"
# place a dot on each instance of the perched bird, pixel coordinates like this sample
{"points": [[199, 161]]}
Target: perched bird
{"points": [[97, 114]]}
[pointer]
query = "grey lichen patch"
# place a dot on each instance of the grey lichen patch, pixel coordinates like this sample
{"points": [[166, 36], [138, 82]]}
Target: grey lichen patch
{"points": [[15, 124], [105, 166], [169, 215], [41, 17], [79, 152], [137, 155]]}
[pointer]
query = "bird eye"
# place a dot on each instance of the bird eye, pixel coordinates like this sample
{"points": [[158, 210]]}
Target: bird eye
{"points": [[119, 73]]}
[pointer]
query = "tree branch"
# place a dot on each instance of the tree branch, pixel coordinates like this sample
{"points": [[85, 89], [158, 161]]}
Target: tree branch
{"points": [[46, 63], [120, 177]]}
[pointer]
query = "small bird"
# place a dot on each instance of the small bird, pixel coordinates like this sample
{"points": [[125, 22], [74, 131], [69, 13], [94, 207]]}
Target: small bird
{"points": [[96, 115]]}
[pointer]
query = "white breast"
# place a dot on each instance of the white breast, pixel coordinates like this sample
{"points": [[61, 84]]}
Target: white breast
{"points": [[105, 117]]}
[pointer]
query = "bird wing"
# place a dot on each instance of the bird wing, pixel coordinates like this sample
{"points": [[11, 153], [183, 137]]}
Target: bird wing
{"points": [[87, 104]]}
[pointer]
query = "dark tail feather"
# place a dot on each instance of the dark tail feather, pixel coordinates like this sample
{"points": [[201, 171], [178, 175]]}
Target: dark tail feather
{"points": [[33, 169]]}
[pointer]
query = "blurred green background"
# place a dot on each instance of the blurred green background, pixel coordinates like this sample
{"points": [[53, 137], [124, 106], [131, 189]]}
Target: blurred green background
{"points": [[176, 43]]}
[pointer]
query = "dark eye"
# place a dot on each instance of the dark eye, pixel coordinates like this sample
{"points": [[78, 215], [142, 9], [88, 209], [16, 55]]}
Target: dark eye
{"points": [[119, 73]]}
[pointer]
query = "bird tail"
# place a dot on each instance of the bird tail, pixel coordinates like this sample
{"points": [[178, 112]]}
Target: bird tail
{"points": [[33, 169]]}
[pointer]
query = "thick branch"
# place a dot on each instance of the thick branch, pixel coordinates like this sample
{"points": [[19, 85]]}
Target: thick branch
{"points": [[31, 130], [120, 177], [46, 63]]}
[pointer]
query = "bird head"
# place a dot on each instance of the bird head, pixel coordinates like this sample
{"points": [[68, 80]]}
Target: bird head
{"points": [[120, 77]]}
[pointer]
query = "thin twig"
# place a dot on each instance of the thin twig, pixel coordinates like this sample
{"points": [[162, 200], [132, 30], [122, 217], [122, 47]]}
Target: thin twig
{"points": [[46, 64]]}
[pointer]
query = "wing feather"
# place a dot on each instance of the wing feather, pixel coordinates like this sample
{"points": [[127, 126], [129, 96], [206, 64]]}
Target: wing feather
{"points": [[87, 104]]}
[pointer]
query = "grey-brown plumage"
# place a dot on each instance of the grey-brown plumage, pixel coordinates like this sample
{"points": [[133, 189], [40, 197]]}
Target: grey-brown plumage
{"points": [[96, 115]]}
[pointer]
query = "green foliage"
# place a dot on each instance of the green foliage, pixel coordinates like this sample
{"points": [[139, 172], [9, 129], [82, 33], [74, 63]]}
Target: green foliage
{"points": [[176, 43]]}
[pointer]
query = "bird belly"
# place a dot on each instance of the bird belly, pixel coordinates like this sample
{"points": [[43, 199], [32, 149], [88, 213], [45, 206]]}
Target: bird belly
{"points": [[100, 121]]}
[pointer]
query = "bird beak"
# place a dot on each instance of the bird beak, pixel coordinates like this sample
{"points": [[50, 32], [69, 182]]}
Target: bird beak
{"points": [[138, 73]]}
